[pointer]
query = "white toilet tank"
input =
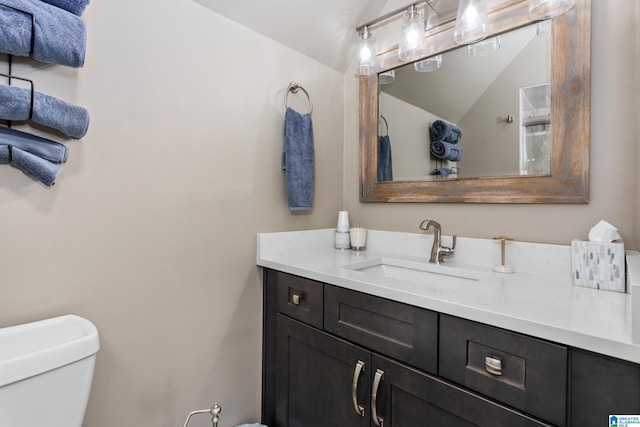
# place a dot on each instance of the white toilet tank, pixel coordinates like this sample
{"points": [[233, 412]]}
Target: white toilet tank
{"points": [[46, 369]]}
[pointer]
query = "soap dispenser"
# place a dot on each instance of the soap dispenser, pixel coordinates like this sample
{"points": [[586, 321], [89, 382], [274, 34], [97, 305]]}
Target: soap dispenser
{"points": [[342, 240]]}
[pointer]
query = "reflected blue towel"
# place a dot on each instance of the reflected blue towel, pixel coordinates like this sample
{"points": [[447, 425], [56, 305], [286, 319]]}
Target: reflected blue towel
{"points": [[41, 147], [443, 131], [55, 113], [33, 166], [76, 7], [446, 151], [385, 165], [298, 160], [60, 37], [443, 171]]}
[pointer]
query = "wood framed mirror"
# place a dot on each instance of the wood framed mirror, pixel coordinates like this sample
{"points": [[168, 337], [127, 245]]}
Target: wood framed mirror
{"points": [[568, 180]]}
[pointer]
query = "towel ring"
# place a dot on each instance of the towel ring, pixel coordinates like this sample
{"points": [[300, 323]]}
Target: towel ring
{"points": [[293, 88], [386, 124]]}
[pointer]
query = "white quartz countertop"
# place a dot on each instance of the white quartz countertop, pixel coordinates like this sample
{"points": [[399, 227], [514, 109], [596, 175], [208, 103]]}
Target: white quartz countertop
{"points": [[539, 299]]}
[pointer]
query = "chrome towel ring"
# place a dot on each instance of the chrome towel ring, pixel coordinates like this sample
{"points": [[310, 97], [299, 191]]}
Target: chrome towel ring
{"points": [[293, 88]]}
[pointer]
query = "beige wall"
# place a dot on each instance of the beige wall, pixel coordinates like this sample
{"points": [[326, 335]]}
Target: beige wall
{"points": [[614, 155], [150, 230]]}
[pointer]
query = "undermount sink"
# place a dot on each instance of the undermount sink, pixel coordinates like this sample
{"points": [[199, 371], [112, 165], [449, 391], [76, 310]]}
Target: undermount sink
{"points": [[413, 271]]}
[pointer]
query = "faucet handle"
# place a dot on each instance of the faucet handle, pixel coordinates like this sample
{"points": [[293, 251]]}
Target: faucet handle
{"points": [[445, 251], [453, 246]]}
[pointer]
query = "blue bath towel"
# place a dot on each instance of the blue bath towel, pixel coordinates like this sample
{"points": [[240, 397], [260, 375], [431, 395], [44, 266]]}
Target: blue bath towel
{"points": [[443, 131], [33, 166], [298, 160], [385, 164], [446, 151], [55, 113], [59, 37], [76, 7], [41, 147]]}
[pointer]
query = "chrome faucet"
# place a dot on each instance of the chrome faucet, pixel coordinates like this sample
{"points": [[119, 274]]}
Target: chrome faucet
{"points": [[437, 252]]}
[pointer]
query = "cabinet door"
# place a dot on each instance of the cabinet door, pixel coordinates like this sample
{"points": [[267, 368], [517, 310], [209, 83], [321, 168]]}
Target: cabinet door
{"points": [[315, 374], [405, 397]]}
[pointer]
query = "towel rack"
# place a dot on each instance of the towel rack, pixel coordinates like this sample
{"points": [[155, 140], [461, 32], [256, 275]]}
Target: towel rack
{"points": [[386, 124], [293, 88]]}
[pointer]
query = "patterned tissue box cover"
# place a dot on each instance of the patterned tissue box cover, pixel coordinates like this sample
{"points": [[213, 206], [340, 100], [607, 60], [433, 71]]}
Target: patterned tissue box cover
{"points": [[598, 265]]}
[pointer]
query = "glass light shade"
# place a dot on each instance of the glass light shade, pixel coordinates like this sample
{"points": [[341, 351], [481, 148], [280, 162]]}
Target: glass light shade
{"points": [[472, 22], [543, 29], [366, 59], [429, 64], [412, 44], [484, 47], [386, 77], [545, 9]]}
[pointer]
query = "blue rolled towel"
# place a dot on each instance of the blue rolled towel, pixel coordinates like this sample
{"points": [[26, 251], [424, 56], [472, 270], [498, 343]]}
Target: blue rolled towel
{"points": [[55, 113], [385, 164], [33, 166], [76, 7], [446, 151], [298, 160], [41, 147], [443, 131], [59, 36]]}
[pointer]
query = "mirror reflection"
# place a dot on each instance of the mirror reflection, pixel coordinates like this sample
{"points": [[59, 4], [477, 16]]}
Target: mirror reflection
{"points": [[477, 111]]}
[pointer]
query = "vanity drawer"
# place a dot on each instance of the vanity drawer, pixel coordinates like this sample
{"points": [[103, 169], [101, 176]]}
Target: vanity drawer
{"points": [[300, 298], [406, 333], [526, 373]]}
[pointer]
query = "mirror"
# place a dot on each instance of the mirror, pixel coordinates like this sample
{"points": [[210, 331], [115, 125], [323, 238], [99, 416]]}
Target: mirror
{"points": [[529, 120]]}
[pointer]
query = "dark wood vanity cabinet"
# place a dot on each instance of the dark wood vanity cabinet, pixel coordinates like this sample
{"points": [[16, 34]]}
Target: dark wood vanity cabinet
{"points": [[336, 357]]}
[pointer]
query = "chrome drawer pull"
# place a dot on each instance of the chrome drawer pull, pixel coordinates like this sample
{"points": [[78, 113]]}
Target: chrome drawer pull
{"points": [[379, 376], [493, 365], [354, 389], [295, 299]]}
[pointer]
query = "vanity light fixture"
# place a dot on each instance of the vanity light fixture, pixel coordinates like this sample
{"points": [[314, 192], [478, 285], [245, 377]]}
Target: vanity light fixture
{"points": [[412, 44], [386, 77], [484, 47], [429, 64], [472, 22], [545, 9], [366, 60]]}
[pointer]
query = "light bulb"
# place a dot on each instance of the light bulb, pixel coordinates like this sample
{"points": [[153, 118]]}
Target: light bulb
{"points": [[472, 22], [412, 45], [366, 59]]}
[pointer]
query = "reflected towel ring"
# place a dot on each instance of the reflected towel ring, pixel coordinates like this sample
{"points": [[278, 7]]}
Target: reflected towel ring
{"points": [[386, 124], [293, 88]]}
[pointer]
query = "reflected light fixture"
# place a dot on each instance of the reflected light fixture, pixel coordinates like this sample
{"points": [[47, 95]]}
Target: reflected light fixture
{"points": [[484, 47], [412, 44], [472, 22], [545, 9], [429, 64], [366, 60], [386, 77]]}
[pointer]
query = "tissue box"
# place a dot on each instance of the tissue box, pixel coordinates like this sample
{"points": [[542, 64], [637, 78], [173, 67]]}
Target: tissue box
{"points": [[598, 265]]}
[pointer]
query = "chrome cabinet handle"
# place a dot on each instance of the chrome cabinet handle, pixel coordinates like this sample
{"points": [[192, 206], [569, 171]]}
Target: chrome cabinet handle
{"points": [[295, 299], [378, 377], [359, 369], [493, 365]]}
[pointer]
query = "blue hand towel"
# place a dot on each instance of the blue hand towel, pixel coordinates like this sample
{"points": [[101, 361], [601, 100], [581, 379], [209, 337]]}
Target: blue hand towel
{"points": [[33, 166], [298, 160], [55, 113], [76, 7], [385, 165], [443, 131], [446, 151], [59, 37], [41, 147]]}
